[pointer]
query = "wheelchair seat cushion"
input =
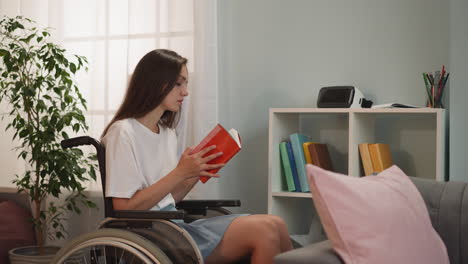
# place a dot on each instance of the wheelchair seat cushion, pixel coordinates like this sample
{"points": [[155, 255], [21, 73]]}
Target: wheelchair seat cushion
{"points": [[207, 232]]}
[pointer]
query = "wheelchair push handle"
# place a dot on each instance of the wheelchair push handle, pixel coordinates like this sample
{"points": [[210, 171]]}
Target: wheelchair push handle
{"points": [[79, 141]]}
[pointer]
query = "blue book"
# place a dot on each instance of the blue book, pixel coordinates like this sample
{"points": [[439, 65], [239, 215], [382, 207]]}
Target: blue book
{"points": [[293, 167], [296, 143]]}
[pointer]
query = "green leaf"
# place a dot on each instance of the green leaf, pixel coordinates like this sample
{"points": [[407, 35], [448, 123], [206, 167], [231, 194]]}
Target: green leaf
{"points": [[23, 133], [29, 38], [72, 67], [90, 204], [92, 173], [58, 91], [76, 127], [59, 234], [3, 52]]}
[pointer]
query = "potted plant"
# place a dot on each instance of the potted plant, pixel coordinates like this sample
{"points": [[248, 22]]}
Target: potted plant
{"points": [[44, 105]]}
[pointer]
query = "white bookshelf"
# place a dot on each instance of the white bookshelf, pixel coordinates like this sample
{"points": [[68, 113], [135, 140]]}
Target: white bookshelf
{"points": [[416, 137]]}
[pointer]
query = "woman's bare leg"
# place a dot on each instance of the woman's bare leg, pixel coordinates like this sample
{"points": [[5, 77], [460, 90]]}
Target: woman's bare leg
{"points": [[257, 236], [285, 240]]}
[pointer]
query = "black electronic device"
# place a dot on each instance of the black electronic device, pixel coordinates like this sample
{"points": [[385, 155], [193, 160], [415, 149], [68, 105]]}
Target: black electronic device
{"points": [[341, 97]]}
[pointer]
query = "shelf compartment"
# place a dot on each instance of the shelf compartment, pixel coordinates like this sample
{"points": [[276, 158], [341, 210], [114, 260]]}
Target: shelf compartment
{"points": [[328, 127], [413, 137]]}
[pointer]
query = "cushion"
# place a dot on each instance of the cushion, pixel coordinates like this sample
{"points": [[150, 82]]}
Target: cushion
{"points": [[375, 219], [15, 228]]}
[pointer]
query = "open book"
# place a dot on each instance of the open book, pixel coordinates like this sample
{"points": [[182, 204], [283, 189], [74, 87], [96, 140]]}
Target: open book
{"points": [[227, 142]]}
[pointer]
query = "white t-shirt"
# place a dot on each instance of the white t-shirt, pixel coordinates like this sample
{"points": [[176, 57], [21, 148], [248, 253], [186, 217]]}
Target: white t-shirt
{"points": [[136, 157]]}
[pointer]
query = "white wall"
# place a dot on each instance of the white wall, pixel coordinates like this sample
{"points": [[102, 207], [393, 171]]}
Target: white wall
{"points": [[458, 89], [280, 53]]}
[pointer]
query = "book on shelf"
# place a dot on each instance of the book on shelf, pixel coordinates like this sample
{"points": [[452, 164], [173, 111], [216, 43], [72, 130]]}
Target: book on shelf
{"points": [[321, 156], [297, 140], [286, 165], [381, 156], [228, 142], [292, 161], [366, 159], [307, 156], [395, 105]]}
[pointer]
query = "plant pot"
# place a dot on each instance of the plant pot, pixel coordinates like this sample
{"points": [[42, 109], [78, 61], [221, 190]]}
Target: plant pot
{"points": [[30, 255]]}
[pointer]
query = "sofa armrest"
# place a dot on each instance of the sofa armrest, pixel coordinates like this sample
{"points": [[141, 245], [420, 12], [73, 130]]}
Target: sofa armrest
{"points": [[317, 253], [11, 194]]}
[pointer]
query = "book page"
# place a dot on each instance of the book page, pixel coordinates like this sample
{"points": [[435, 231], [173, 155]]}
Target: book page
{"points": [[235, 135]]}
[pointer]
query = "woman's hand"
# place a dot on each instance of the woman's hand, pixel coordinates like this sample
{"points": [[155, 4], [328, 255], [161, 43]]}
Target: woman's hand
{"points": [[195, 165]]}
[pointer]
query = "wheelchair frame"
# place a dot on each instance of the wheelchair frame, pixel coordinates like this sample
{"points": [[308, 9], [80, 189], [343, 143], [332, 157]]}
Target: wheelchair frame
{"points": [[141, 231]]}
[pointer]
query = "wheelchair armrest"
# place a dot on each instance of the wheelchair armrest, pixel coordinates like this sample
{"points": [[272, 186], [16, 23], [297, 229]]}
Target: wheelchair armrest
{"points": [[147, 214], [205, 204]]}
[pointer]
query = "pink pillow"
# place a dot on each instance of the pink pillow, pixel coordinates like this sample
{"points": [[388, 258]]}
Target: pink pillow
{"points": [[375, 219]]}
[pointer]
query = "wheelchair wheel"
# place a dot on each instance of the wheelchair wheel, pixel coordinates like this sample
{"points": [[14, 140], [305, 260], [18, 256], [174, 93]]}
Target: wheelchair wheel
{"points": [[110, 246]]}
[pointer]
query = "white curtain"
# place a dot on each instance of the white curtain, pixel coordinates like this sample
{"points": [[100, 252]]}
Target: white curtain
{"points": [[114, 35], [204, 96]]}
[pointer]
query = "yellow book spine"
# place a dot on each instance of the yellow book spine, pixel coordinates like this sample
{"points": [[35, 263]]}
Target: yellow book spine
{"points": [[307, 156]]}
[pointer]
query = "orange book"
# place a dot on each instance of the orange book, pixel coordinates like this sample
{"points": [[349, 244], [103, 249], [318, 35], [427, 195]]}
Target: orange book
{"points": [[366, 159], [381, 156], [227, 142]]}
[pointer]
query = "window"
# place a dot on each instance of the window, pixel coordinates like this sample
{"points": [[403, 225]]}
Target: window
{"points": [[114, 35]]}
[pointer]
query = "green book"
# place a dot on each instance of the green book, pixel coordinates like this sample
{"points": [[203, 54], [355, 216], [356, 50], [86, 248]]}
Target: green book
{"points": [[287, 167]]}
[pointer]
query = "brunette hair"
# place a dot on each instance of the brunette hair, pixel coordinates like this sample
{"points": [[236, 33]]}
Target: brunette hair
{"points": [[154, 77]]}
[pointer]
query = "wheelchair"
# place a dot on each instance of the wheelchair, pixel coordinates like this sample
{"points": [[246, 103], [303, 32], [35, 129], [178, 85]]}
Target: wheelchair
{"points": [[130, 236]]}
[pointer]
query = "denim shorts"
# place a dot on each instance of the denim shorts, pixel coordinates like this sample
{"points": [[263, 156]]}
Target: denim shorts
{"points": [[206, 232]]}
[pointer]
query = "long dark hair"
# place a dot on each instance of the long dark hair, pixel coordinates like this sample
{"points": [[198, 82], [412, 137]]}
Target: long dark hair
{"points": [[154, 77]]}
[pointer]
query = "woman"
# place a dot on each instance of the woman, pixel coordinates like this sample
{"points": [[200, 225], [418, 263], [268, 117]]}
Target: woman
{"points": [[144, 173]]}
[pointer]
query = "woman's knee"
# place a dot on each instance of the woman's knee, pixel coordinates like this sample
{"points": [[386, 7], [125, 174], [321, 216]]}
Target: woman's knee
{"points": [[275, 223], [261, 228], [265, 227], [254, 231], [279, 222]]}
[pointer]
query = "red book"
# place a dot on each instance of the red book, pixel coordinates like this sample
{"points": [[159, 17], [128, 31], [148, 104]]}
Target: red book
{"points": [[227, 142]]}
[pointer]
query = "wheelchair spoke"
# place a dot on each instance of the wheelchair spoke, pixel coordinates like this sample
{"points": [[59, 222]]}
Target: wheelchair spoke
{"points": [[121, 256], [105, 257], [93, 252], [104, 250]]}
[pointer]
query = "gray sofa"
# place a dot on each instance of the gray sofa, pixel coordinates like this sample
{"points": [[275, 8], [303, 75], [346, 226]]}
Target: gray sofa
{"points": [[447, 203]]}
